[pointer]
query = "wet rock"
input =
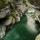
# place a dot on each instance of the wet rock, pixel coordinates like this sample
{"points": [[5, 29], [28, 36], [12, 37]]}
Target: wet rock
{"points": [[2, 31]]}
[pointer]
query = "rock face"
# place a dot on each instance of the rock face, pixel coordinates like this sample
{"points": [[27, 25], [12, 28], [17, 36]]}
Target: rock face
{"points": [[2, 31], [35, 3], [12, 10], [4, 12]]}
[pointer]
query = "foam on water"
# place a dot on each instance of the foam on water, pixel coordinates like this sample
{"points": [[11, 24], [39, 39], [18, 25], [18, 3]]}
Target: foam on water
{"points": [[31, 27]]}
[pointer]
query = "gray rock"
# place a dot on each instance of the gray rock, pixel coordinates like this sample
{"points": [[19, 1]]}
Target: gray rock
{"points": [[5, 11], [2, 31]]}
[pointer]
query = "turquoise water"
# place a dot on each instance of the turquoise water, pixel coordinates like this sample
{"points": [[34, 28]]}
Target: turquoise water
{"points": [[19, 31]]}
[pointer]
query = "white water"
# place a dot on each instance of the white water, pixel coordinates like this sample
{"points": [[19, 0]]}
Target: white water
{"points": [[31, 27]]}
